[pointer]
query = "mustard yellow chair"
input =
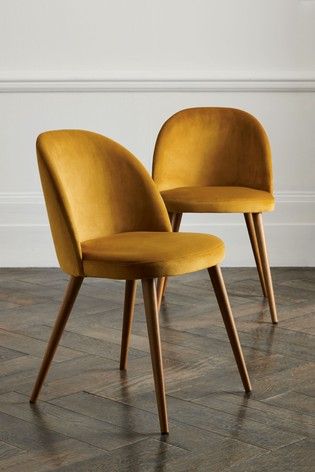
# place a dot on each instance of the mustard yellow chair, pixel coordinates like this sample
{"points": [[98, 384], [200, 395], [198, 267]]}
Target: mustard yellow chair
{"points": [[217, 160], [108, 220]]}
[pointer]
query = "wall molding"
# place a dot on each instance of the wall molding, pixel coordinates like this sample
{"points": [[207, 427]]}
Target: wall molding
{"points": [[282, 196], [28, 209], [23, 82]]}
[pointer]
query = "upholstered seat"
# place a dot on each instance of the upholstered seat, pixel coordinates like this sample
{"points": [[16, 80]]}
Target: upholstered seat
{"points": [[217, 200], [138, 255]]}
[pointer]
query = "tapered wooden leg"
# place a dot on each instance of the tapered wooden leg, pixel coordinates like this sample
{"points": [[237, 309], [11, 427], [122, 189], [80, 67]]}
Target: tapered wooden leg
{"points": [[252, 236], [176, 219], [160, 290], [260, 235], [129, 304], [64, 313], [224, 304], [151, 312]]}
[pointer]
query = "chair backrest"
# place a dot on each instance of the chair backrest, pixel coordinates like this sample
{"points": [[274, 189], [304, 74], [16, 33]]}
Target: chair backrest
{"points": [[212, 146], [94, 187]]}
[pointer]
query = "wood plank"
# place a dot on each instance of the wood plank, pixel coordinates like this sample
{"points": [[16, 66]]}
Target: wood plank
{"points": [[84, 344], [147, 455], [53, 457], [6, 354], [24, 435], [297, 457], [7, 451], [92, 431], [195, 415], [294, 401], [34, 347], [69, 377], [261, 411]]}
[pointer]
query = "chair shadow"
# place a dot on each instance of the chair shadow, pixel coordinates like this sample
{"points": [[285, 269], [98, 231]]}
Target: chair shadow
{"points": [[126, 398], [46, 434]]}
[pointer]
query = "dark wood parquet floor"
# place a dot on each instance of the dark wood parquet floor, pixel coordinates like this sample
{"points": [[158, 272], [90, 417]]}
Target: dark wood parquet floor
{"points": [[92, 417]]}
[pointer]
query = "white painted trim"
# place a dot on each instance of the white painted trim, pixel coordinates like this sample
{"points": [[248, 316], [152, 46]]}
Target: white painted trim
{"points": [[32, 246], [295, 196], [282, 196], [229, 224], [21, 198], [23, 82], [25, 238], [28, 210]]}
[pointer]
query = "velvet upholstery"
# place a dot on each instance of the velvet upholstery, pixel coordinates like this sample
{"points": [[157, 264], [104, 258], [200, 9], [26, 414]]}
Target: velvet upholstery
{"points": [[217, 200], [224, 149], [139, 255], [106, 215]]}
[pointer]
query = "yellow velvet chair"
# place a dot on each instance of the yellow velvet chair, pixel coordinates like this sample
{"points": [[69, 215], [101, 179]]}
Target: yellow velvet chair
{"points": [[217, 160], [108, 220]]}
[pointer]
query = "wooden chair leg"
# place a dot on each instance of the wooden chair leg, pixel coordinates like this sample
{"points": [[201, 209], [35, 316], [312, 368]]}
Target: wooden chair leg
{"points": [[160, 290], [64, 313], [176, 219], [260, 235], [151, 312], [129, 304], [252, 236], [224, 304]]}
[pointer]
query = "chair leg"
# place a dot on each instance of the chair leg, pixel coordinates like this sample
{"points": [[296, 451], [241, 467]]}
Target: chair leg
{"points": [[160, 290], [176, 219], [260, 235], [129, 304], [151, 312], [224, 304], [64, 313], [252, 236]]}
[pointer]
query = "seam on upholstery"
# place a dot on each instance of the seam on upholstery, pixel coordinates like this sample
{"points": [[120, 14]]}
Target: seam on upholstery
{"points": [[216, 201]]}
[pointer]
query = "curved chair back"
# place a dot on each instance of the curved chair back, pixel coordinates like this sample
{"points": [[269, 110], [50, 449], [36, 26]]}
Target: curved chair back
{"points": [[94, 187], [212, 146]]}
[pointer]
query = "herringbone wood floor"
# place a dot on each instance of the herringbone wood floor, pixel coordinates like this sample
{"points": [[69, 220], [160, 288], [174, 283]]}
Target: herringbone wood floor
{"points": [[92, 417]]}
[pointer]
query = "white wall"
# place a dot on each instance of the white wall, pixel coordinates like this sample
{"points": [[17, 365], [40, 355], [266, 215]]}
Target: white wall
{"points": [[122, 67]]}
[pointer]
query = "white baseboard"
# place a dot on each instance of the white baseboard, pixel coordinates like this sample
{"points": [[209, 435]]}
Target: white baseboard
{"points": [[288, 244], [25, 239]]}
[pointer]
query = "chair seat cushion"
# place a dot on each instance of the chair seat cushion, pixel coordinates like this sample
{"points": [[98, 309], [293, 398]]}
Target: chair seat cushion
{"points": [[217, 200], [137, 255]]}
